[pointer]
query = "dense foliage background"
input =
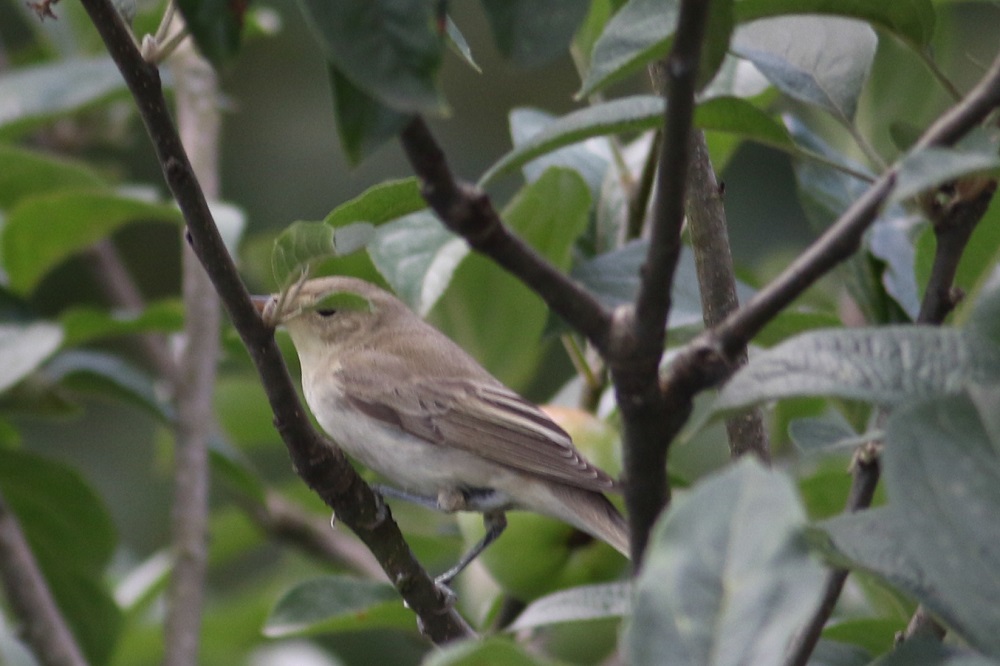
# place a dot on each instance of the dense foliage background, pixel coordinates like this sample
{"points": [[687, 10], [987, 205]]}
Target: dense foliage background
{"points": [[552, 108]]}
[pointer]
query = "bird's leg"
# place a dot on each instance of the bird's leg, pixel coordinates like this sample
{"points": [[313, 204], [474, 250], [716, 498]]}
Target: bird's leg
{"points": [[495, 523], [396, 493]]}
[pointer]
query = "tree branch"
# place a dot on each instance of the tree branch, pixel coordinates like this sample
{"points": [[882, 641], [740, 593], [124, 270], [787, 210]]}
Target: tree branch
{"points": [[466, 210], [836, 244], [44, 628], [639, 333], [713, 260], [321, 464], [866, 475], [198, 119]]}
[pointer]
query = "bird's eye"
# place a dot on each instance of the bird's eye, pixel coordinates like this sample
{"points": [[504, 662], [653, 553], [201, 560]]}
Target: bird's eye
{"points": [[326, 312]]}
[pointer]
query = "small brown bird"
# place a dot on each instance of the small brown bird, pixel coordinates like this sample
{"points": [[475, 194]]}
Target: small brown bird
{"points": [[408, 403]]}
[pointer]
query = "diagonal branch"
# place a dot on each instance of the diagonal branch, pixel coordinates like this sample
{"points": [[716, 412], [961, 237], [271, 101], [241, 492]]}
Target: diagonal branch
{"points": [[44, 627], [322, 465], [466, 210]]}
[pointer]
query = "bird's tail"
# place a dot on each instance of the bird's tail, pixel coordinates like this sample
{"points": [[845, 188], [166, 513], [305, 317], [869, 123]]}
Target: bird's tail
{"points": [[593, 513]]}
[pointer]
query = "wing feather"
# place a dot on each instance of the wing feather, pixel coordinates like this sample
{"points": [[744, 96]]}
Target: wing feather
{"points": [[478, 415]]}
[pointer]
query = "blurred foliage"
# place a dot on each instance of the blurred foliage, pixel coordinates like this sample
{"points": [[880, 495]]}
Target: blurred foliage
{"points": [[547, 104]]}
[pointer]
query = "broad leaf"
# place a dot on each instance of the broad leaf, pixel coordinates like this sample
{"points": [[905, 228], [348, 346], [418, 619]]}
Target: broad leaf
{"points": [[42, 231], [84, 324], [109, 375], [216, 26], [380, 203], [337, 603], [24, 347], [417, 256], [388, 49], [72, 537], [363, 123], [829, 434], [926, 168], [589, 158], [27, 172], [740, 525], [34, 94], [911, 20], [493, 651], [483, 299], [304, 243], [820, 60], [614, 278], [888, 365], [627, 114], [533, 32], [640, 32], [942, 475], [738, 116], [588, 602]]}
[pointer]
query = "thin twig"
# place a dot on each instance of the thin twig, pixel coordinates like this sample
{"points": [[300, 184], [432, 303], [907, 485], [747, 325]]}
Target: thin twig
{"points": [[199, 122], [866, 475], [713, 260], [953, 225], [44, 627], [321, 464]]}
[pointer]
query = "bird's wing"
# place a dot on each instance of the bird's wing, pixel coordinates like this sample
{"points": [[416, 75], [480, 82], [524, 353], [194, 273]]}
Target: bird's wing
{"points": [[480, 416]]}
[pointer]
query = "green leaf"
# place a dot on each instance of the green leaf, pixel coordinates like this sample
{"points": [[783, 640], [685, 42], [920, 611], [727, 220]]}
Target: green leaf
{"points": [[456, 40], [24, 347], [533, 32], [936, 539], [493, 651], [630, 114], [363, 123], [911, 20], [43, 231], [72, 537], [337, 603], [28, 172], [715, 46], [388, 49], [216, 26], [31, 95], [738, 116], [304, 243], [727, 578], [83, 324], [379, 203], [876, 635], [483, 299], [587, 602], [614, 278], [927, 168], [417, 256], [825, 434], [819, 60], [924, 651], [590, 158], [627, 114], [109, 375], [888, 365], [637, 34]]}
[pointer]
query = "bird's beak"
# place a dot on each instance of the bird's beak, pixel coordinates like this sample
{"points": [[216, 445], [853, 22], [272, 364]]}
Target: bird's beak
{"points": [[260, 302]]}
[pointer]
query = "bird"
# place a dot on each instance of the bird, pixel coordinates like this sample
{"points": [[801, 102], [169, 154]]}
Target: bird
{"points": [[410, 404]]}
